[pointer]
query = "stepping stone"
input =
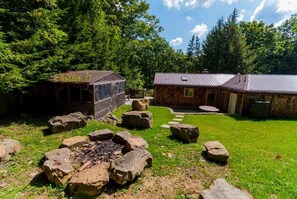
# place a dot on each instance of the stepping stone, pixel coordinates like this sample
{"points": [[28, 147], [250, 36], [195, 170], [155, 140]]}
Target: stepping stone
{"points": [[173, 122], [165, 126], [223, 190], [179, 116], [177, 119]]}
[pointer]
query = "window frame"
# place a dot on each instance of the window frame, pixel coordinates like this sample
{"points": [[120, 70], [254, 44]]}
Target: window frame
{"points": [[189, 89]]}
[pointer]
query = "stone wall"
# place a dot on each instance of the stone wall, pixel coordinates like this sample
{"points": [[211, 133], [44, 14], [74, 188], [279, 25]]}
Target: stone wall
{"points": [[174, 96], [281, 105]]}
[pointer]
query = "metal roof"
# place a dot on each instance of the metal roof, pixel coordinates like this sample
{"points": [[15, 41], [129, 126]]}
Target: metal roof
{"points": [[78, 77], [178, 79], [263, 83]]}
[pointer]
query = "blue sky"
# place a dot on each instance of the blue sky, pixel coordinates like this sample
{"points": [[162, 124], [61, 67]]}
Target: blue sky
{"points": [[181, 19]]}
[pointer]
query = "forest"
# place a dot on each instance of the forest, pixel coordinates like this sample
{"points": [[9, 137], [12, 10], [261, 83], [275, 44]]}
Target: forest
{"points": [[41, 37]]}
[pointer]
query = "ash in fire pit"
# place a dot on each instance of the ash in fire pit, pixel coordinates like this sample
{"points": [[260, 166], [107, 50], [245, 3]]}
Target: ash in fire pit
{"points": [[89, 163], [96, 152]]}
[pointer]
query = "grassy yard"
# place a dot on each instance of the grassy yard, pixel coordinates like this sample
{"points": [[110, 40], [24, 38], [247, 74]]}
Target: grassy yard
{"points": [[262, 158]]}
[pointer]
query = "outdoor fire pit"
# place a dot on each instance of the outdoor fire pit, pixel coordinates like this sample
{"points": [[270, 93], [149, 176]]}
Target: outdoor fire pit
{"points": [[88, 163]]}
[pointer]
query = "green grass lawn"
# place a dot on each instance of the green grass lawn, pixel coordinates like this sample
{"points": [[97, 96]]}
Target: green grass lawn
{"points": [[263, 154]]}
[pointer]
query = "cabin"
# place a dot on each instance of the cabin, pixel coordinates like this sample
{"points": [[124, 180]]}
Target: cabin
{"points": [[92, 92], [188, 90], [233, 94]]}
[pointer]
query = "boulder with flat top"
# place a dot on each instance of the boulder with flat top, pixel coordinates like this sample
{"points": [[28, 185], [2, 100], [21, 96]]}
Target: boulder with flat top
{"points": [[137, 119], [130, 166], [67, 122], [90, 181], [185, 132], [216, 152]]}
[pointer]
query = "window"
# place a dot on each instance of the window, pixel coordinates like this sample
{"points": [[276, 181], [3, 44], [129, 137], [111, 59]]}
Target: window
{"points": [[120, 87], [102, 91], [188, 92], [184, 78]]}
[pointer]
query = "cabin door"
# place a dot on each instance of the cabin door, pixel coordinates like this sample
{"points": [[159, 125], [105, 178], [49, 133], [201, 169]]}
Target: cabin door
{"points": [[210, 100], [232, 103]]}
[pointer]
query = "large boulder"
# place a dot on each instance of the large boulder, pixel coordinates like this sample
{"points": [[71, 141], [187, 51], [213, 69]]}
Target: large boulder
{"points": [[185, 132], [73, 142], [215, 151], [90, 181], [8, 147], [222, 190], [131, 165], [140, 105], [136, 142], [58, 171], [137, 119], [101, 135], [67, 122]]}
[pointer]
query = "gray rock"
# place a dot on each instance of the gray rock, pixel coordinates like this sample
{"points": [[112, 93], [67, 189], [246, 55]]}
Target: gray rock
{"points": [[58, 171], [222, 190], [131, 165], [216, 152], [63, 153], [8, 147], [109, 119], [185, 132], [137, 119], [73, 142], [100, 135], [90, 181], [122, 137], [136, 142], [67, 122]]}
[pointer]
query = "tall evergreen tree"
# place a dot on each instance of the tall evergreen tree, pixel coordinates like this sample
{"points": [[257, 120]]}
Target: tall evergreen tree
{"points": [[34, 39], [224, 47]]}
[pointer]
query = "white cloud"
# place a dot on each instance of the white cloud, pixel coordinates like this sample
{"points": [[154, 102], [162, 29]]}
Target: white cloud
{"points": [[193, 3], [229, 1], [176, 42], [258, 10], [189, 18], [279, 11], [200, 30], [241, 15], [284, 6]]}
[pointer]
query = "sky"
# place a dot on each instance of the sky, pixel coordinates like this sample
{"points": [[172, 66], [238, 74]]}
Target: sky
{"points": [[181, 19]]}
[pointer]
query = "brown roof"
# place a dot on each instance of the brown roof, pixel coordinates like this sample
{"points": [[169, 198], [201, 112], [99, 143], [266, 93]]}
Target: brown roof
{"points": [[281, 84], [78, 77], [186, 79]]}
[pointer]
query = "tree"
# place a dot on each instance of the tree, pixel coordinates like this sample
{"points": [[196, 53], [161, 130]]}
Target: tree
{"points": [[224, 47], [32, 39]]}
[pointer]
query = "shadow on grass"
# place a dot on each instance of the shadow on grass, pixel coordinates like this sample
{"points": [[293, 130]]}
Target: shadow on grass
{"points": [[40, 180], [46, 132], [246, 118], [171, 137], [222, 164], [40, 120]]}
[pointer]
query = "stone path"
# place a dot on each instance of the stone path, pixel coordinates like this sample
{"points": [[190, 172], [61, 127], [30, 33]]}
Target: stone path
{"points": [[178, 119]]}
